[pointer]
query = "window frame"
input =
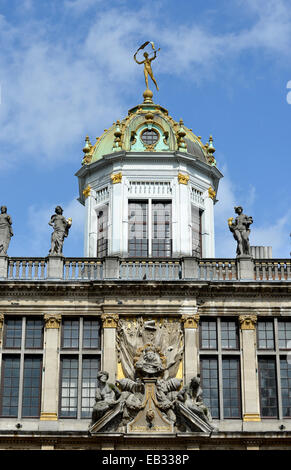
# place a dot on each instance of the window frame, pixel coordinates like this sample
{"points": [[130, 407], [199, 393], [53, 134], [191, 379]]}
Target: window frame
{"points": [[276, 353], [22, 353], [149, 202], [80, 354], [221, 354]]}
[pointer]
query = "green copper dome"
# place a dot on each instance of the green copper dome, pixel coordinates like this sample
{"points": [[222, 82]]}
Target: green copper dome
{"points": [[148, 128]]}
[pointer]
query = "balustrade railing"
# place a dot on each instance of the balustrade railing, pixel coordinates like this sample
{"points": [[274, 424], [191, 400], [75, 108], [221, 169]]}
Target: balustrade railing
{"points": [[83, 268], [217, 269], [154, 269], [27, 268], [272, 270], [174, 269]]}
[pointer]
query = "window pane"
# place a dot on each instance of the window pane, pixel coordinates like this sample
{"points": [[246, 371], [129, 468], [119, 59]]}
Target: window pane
{"points": [[10, 386], [196, 216], [208, 334], [91, 366], [266, 335], [149, 137], [209, 383], [285, 368], [161, 229], [284, 333], [69, 387], [137, 228], [31, 386], [231, 388], [70, 336], [102, 232], [34, 334], [12, 333], [229, 334], [91, 334], [268, 387]]}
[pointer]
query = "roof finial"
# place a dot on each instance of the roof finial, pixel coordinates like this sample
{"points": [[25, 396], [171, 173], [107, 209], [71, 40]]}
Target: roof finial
{"points": [[148, 94]]}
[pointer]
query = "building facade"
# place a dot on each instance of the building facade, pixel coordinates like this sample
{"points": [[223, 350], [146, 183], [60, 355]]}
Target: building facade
{"points": [[149, 277]]}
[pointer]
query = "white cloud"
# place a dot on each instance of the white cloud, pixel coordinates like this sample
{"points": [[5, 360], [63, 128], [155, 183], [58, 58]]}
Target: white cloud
{"points": [[57, 89]]}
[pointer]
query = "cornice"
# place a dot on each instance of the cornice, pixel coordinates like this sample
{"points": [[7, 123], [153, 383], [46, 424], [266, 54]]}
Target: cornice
{"points": [[200, 289]]}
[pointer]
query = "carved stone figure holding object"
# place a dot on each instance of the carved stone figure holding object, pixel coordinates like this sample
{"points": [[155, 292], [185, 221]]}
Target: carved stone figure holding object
{"points": [[240, 228], [106, 396], [5, 230], [61, 227], [191, 396]]}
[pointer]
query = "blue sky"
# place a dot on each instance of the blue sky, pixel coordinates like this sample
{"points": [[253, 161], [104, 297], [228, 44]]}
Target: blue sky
{"points": [[66, 70]]}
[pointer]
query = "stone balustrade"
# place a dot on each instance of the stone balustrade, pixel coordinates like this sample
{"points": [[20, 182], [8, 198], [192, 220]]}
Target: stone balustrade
{"points": [[218, 270], [141, 269], [27, 268], [272, 270], [147, 269]]}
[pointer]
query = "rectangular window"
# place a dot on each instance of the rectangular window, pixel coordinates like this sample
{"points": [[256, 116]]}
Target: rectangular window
{"points": [[208, 334], [70, 334], [266, 334], [285, 370], [284, 334], [209, 378], [161, 229], [268, 387], [91, 334], [34, 334], [80, 363], [102, 232], [22, 367], [231, 387], [138, 228], [31, 386], [229, 334], [69, 387], [196, 228], [10, 385], [91, 365], [12, 333]]}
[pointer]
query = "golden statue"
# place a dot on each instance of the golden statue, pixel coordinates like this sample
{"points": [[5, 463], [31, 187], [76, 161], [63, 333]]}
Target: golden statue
{"points": [[147, 63]]}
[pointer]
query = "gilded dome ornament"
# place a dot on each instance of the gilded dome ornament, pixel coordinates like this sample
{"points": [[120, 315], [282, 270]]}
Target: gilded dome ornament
{"points": [[148, 94]]}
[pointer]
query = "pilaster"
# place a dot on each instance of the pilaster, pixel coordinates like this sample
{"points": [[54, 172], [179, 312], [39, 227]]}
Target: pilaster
{"points": [[3, 267], [109, 356], [191, 342], [250, 387], [55, 267], [116, 213], [49, 406], [90, 232]]}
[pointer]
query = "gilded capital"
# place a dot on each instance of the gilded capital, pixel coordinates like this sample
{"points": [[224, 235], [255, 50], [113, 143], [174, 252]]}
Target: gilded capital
{"points": [[109, 320], [183, 179], [116, 177], [249, 417], [190, 321], [87, 191], [248, 322], [211, 193], [52, 321]]}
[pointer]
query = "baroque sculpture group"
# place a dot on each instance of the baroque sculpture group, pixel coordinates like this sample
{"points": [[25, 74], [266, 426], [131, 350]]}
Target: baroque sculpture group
{"points": [[150, 398]]}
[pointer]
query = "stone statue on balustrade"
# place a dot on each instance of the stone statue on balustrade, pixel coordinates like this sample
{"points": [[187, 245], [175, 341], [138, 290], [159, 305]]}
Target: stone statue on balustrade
{"points": [[5, 230], [240, 227], [61, 227]]}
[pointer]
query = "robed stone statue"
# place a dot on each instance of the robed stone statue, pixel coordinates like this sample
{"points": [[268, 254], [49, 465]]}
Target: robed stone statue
{"points": [[5, 230]]}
